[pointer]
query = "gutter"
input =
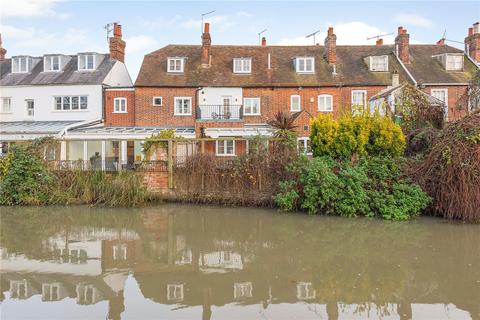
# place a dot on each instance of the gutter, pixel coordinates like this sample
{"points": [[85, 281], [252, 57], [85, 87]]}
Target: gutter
{"points": [[62, 133], [406, 70], [445, 84]]}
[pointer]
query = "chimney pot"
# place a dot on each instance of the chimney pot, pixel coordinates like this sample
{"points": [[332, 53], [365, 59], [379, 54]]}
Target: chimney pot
{"points": [[207, 28], [264, 41], [117, 30], [400, 30], [330, 31], [470, 31], [379, 42], [441, 42]]}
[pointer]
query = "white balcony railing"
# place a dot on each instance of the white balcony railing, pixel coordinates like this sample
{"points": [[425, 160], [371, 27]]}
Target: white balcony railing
{"points": [[220, 112]]}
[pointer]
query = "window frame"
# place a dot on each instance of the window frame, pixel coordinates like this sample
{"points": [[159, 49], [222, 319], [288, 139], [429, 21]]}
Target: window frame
{"points": [[157, 105], [84, 57], [452, 56], [81, 102], [297, 64], [119, 109], [50, 64], [169, 64], [242, 65], [28, 102], [307, 149], [299, 103], [252, 113], [224, 154], [445, 90], [2, 109], [175, 99], [324, 96], [371, 58], [364, 97], [16, 60]]}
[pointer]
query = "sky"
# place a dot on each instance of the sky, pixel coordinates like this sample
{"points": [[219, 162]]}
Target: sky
{"points": [[37, 27]]}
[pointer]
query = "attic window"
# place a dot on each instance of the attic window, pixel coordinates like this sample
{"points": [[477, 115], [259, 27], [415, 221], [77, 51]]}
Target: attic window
{"points": [[51, 63], [21, 64], [175, 64], [242, 65], [454, 63], [305, 64], [86, 62], [379, 63]]}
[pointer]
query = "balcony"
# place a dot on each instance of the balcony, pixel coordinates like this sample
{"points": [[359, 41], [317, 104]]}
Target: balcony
{"points": [[220, 112]]}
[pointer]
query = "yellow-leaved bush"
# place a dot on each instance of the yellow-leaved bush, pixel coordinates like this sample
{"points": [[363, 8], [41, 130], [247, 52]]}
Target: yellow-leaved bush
{"points": [[356, 134]]}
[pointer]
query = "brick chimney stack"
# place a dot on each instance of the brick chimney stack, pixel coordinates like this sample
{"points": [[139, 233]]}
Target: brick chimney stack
{"points": [[3, 51], [402, 45], [117, 45], [206, 46], [379, 42], [264, 41], [472, 42], [331, 46]]}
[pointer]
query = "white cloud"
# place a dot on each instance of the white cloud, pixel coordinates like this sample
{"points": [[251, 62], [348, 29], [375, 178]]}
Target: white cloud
{"points": [[349, 33], [28, 8], [244, 14], [35, 41], [140, 44], [413, 20]]}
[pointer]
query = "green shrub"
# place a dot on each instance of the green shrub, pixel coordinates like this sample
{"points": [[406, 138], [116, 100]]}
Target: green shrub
{"points": [[372, 187], [24, 179]]}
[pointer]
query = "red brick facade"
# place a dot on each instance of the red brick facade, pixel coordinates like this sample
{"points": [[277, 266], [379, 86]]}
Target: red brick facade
{"points": [[112, 118], [272, 100]]}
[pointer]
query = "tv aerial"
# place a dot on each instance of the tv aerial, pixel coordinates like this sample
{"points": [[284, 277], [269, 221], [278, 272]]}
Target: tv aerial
{"points": [[205, 14], [444, 37], [109, 28], [312, 35], [379, 36], [259, 35]]}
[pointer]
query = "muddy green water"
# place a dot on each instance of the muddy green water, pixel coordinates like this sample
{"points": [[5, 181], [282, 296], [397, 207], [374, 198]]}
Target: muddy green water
{"points": [[190, 262]]}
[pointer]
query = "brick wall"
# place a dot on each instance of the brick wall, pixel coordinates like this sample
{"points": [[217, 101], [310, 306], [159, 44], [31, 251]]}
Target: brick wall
{"points": [[148, 115], [272, 100], [119, 119], [155, 181]]}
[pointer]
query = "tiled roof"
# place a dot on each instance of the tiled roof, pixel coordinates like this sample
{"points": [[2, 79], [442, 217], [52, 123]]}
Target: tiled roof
{"points": [[350, 67], [426, 69], [69, 75]]}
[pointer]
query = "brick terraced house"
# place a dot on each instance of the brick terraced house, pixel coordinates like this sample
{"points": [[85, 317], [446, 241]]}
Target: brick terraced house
{"points": [[232, 91]]}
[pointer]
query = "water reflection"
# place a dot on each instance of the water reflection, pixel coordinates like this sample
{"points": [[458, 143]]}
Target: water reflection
{"points": [[185, 262]]}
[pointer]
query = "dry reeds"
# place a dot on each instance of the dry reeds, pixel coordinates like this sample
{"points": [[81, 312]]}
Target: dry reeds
{"points": [[450, 173]]}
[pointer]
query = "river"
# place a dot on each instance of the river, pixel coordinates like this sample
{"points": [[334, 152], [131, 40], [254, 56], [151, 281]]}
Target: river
{"points": [[201, 262]]}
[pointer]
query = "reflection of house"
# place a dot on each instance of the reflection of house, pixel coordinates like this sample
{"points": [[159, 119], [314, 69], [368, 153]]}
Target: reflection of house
{"points": [[305, 291], [53, 291], [175, 292], [220, 260], [242, 290], [21, 289]]}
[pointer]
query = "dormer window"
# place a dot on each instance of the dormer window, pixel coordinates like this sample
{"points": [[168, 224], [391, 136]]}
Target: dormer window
{"points": [[51, 63], [378, 63], [454, 63], [242, 65], [175, 64], [305, 64], [451, 61], [21, 64], [86, 62]]}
